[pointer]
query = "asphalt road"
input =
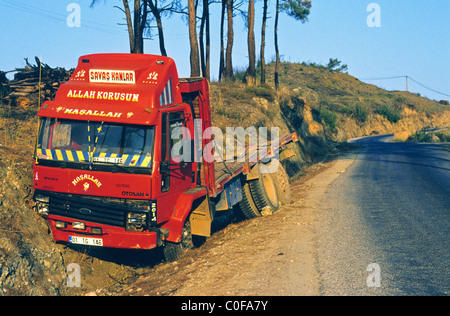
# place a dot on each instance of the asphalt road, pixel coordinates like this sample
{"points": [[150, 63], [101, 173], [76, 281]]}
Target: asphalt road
{"points": [[384, 224]]}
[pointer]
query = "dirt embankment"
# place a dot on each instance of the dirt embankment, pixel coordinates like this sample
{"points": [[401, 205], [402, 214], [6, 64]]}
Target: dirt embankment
{"points": [[411, 122], [30, 264]]}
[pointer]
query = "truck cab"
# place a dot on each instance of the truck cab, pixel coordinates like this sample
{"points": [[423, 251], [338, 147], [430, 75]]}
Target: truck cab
{"points": [[104, 173]]}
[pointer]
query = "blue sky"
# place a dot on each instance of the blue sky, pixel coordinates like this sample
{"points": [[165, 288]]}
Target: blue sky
{"points": [[413, 38]]}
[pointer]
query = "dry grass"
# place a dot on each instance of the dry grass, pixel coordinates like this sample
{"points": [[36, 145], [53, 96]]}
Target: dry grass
{"points": [[340, 91], [234, 104], [402, 136]]}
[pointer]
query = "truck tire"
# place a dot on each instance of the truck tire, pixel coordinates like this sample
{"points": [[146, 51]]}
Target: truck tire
{"points": [[173, 251], [246, 205], [283, 186], [264, 192]]}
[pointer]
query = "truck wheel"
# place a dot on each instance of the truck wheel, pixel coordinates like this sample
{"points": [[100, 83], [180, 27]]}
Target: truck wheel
{"points": [[264, 192], [173, 251], [283, 186], [247, 206]]}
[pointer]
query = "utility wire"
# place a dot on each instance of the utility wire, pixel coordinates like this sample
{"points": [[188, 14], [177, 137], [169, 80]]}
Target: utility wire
{"points": [[57, 16], [384, 78], [423, 86], [412, 79]]}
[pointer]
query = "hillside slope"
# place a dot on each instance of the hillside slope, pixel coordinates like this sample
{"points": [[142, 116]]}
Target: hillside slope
{"points": [[30, 263], [351, 108]]}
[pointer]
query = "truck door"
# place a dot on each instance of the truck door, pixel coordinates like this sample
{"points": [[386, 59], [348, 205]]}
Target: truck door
{"points": [[176, 175]]}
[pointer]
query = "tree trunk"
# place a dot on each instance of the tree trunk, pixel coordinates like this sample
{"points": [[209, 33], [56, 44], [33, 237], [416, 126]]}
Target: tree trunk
{"points": [[157, 15], [143, 23], [129, 24], [263, 44], [228, 57], [222, 49], [208, 40], [138, 36], [205, 50], [194, 56], [277, 62], [162, 46], [201, 42], [251, 72]]}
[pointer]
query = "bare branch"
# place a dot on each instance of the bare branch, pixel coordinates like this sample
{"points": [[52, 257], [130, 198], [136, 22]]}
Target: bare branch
{"points": [[117, 7]]}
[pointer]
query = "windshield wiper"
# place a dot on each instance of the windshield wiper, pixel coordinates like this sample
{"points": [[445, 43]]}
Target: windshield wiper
{"points": [[119, 167]]}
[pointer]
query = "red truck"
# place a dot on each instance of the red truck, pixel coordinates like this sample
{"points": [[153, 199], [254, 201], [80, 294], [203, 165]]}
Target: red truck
{"points": [[104, 170]]}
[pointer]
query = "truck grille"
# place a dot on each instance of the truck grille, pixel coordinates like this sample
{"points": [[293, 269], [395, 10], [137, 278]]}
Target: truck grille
{"points": [[88, 209]]}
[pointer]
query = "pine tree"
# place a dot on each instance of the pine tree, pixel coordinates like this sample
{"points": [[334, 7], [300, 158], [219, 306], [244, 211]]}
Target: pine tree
{"points": [[299, 10]]}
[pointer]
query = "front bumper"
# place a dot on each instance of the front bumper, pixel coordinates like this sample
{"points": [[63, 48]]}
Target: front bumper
{"points": [[113, 237]]}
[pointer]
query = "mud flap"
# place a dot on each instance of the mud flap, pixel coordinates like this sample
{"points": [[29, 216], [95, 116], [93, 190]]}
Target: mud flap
{"points": [[202, 217]]}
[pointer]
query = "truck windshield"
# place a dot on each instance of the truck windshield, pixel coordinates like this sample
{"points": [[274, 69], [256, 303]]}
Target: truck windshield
{"points": [[95, 142]]}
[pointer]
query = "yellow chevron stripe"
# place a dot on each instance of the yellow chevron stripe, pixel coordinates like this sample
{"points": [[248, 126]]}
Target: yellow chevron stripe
{"points": [[59, 155], [69, 155], [80, 155], [146, 161]]}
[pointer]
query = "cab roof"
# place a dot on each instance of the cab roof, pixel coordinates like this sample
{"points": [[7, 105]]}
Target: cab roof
{"points": [[123, 88]]}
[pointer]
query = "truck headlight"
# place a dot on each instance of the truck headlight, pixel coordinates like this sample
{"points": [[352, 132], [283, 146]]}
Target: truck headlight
{"points": [[42, 208], [42, 203], [136, 221], [42, 198]]}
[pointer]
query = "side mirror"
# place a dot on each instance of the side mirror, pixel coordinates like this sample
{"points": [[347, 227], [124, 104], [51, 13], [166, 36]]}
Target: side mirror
{"points": [[164, 167]]}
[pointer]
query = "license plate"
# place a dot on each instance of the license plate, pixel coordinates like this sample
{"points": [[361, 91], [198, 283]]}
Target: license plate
{"points": [[116, 160], [86, 241]]}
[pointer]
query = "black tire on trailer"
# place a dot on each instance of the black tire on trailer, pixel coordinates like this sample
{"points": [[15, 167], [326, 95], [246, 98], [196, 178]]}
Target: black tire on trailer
{"points": [[264, 191], [247, 205], [283, 186], [173, 251]]}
